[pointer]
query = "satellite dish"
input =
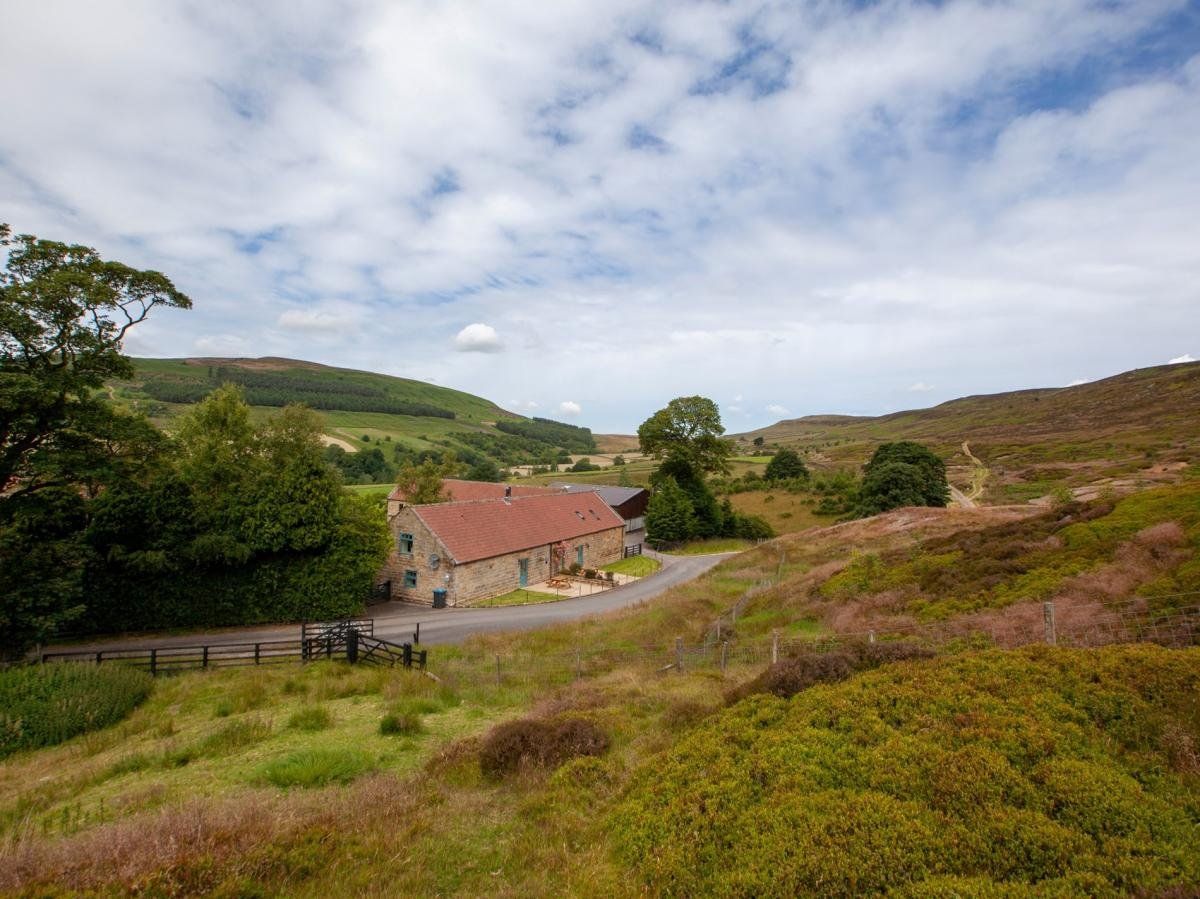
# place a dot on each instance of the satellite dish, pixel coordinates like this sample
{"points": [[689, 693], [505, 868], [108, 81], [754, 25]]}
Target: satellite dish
{"points": [[434, 560]]}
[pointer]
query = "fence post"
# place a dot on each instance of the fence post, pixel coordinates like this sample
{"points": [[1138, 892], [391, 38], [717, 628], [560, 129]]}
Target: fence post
{"points": [[352, 646], [1048, 623], [417, 634], [153, 662], [724, 654], [329, 647], [204, 658], [100, 657], [303, 641], [421, 656], [407, 655], [775, 646], [257, 652], [679, 654]]}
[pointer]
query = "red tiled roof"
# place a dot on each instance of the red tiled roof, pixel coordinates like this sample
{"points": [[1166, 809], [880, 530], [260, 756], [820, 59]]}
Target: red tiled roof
{"points": [[470, 491], [480, 530]]}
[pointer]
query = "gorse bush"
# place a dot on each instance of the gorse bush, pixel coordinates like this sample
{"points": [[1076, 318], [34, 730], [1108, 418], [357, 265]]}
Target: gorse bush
{"points": [[1041, 772], [42, 705], [538, 743]]}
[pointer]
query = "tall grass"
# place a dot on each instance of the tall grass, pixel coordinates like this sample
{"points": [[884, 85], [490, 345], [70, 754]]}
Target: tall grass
{"points": [[46, 704], [315, 768]]}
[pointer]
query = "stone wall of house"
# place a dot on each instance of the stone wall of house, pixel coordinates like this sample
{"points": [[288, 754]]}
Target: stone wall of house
{"points": [[468, 583], [501, 574], [425, 545]]}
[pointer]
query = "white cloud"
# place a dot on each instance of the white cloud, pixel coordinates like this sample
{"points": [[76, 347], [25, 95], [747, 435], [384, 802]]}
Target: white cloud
{"points": [[478, 338], [569, 408], [392, 171], [222, 345], [920, 387], [319, 321], [776, 409], [1186, 357]]}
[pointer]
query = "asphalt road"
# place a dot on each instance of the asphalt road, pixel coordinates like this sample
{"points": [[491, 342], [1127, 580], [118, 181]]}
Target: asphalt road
{"points": [[396, 621]]}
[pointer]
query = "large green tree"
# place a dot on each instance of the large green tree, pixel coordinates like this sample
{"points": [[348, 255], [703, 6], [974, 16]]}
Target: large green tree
{"points": [[786, 465], [687, 431], [250, 526], [902, 474], [64, 313]]}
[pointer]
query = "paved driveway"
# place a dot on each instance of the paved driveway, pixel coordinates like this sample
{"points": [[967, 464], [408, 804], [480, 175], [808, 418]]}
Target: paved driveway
{"points": [[397, 621]]}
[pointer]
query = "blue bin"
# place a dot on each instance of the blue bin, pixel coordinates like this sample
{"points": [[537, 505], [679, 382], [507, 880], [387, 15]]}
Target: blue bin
{"points": [[439, 598]]}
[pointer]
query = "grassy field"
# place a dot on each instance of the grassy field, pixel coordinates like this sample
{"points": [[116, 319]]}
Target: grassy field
{"points": [[634, 566], [637, 472], [785, 512], [518, 597], [1050, 772], [1135, 428]]}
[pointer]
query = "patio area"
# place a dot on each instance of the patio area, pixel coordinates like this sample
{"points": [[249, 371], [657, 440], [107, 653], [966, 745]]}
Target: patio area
{"points": [[564, 585]]}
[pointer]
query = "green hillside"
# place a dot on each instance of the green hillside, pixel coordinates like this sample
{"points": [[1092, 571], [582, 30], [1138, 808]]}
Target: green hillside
{"points": [[363, 410], [1137, 426]]}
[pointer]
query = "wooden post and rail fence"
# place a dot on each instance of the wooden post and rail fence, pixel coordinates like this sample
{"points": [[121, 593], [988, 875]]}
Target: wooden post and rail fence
{"points": [[352, 640]]}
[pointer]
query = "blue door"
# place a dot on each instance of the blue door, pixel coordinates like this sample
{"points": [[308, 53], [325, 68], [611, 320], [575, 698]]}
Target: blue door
{"points": [[523, 571], [579, 556]]}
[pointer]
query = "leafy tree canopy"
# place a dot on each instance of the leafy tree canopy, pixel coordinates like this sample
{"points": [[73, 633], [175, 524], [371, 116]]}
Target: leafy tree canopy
{"points": [[902, 474], [687, 431], [786, 465], [64, 312], [669, 515], [421, 483]]}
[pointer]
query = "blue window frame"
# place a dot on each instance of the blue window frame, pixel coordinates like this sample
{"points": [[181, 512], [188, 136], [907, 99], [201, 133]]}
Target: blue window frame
{"points": [[404, 544], [410, 578]]}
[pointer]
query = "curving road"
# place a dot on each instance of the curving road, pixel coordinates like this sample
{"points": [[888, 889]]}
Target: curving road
{"points": [[396, 621]]}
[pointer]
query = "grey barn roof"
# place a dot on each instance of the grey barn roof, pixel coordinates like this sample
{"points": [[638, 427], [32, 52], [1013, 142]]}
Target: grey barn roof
{"points": [[614, 496]]}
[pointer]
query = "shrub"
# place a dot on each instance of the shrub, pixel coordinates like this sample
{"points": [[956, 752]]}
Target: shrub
{"points": [[1033, 772], [403, 724], [43, 705], [315, 768], [533, 742], [310, 718], [790, 675]]}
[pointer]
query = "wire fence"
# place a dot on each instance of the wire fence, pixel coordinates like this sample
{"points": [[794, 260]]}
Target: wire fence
{"points": [[721, 649]]}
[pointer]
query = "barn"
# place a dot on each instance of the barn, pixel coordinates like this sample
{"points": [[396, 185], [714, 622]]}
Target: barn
{"points": [[477, 549]]}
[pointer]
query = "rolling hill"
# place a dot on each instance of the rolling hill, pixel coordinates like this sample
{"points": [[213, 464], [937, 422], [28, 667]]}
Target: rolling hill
{"points": [[1134, 427], [362, 410]]}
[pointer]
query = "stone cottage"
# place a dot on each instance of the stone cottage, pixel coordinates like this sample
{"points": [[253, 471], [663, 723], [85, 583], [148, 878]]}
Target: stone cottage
{"points": [[478, 549]]}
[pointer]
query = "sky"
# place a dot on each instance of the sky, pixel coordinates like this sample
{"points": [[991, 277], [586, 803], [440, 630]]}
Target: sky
{"points": [[581, 210]]}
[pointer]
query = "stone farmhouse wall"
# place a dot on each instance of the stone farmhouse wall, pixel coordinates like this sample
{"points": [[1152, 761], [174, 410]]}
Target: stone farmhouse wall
{"points": [[425, 544], [472, 581]]}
